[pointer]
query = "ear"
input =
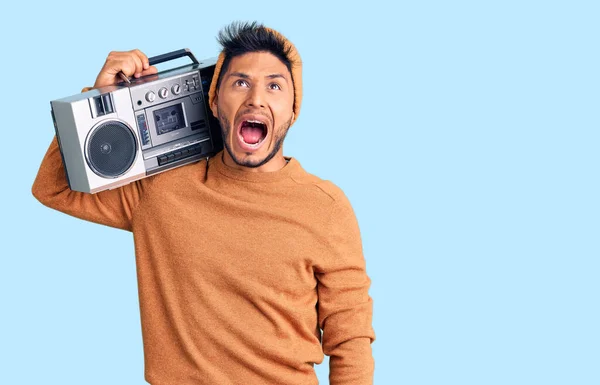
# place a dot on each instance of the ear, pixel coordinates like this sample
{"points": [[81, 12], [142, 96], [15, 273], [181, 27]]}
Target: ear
{"points": [[213, 107]]}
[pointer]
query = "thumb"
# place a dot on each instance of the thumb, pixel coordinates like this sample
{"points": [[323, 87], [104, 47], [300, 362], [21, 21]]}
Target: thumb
{"points": [[105, 79], [150, 71]]}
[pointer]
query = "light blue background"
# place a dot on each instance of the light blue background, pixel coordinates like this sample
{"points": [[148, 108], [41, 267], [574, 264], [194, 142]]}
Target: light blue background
{"points": [[465, 134]]}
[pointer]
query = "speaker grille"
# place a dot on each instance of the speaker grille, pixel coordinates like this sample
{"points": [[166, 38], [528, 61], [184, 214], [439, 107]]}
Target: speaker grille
{"points": [[111, 149]]}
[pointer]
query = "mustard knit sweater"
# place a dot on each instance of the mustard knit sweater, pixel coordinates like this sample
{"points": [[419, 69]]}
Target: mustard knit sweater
{"points": [[238, 272]]}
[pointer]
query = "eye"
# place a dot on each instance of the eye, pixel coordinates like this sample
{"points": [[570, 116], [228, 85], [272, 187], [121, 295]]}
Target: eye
{"points": [[241, 83], [274, 86]]}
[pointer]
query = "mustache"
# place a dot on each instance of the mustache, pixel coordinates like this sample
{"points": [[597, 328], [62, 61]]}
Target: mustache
{"points": [[249, 111]]}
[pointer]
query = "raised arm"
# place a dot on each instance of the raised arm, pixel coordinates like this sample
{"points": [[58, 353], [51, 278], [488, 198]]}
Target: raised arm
{"points": [[112, 207]]}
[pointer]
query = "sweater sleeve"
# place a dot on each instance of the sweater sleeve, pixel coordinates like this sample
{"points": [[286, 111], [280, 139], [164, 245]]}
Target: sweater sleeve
{"points": [[344, 306], [112, 208]]}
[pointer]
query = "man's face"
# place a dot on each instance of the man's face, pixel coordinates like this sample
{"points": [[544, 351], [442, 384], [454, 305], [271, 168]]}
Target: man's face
{"points": [[254, 105]]}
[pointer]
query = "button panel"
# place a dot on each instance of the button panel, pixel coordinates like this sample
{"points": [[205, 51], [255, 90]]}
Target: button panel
{"points": [[152, 93], [143, 128], [179, 154]]}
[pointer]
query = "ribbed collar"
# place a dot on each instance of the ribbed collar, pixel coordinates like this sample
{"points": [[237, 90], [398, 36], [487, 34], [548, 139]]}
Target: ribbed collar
{"points": [[291, 168]]}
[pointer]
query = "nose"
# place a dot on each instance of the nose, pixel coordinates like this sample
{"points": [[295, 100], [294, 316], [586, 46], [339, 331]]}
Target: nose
{"points": [[256, 98]]}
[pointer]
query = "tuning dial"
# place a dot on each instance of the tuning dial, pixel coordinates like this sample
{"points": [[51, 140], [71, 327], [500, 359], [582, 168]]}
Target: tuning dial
{"points": [[176, 89], [163, 92], [150, 96]]}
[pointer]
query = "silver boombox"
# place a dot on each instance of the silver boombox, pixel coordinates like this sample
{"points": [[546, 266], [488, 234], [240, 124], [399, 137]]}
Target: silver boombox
{"points": [[114, 135]]}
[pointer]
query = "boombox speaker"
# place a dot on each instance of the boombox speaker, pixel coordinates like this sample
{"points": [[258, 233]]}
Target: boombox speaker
{"points": [[111, 149], [114, 135]]}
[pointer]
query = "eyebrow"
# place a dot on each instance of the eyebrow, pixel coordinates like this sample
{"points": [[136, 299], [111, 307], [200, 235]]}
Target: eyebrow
{"points": [[246, 76], [275, 76], [240, 75]]}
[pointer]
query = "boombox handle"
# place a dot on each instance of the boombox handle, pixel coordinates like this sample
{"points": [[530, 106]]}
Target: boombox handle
{"points": [[172, 55]]}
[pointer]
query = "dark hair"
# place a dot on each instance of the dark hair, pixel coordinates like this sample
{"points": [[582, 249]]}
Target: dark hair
{"points": [[240, 38]]}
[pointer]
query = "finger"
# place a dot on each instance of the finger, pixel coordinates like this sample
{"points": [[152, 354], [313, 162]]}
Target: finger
{"points": [[108, 74], [143, 58], [123, 61], [139, 67], [124, 65], [133, 66], [115, 62], [150, 71]]}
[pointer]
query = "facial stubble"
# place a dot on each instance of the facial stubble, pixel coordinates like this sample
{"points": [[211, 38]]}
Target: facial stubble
{"points": [[226, 129]]}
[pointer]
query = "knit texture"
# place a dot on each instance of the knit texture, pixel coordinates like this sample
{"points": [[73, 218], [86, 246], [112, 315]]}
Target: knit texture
{"points": [[238, 272]]}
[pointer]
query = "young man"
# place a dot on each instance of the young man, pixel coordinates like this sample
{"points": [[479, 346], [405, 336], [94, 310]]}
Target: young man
{"points": [[243, 259]]}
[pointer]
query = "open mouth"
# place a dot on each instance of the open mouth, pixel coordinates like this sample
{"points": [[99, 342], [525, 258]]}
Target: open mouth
{"points": [[252, 132]]}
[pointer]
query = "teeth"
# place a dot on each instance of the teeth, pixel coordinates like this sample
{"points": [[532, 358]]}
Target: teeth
{"points": [[254, 121]]}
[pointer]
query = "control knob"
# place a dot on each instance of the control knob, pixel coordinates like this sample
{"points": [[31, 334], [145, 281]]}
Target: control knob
{"points": [[150, 96], [176, 89], [163, 92]]}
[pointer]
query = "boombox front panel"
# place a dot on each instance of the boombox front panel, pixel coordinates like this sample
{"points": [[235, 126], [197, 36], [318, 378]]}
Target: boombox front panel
{"points": [[123, 116], [109, 138]]}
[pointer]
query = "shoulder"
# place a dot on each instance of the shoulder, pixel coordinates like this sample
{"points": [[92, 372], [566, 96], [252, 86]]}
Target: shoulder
{"points": [[176, 177], [324, 190]]}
